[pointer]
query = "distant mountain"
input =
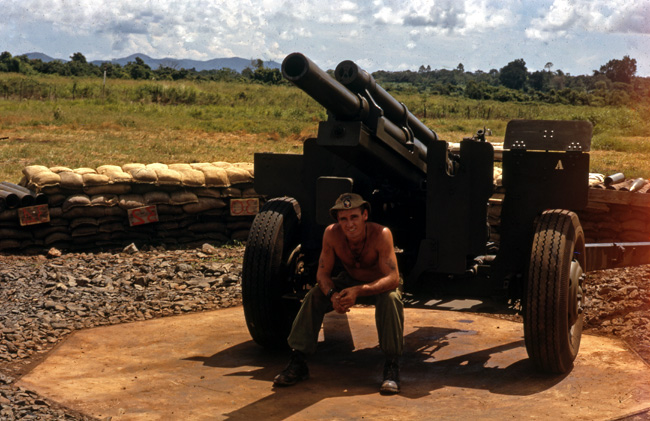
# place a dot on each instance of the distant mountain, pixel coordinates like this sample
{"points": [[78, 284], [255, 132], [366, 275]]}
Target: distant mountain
{"points": [[43, 57], [235, 63]]}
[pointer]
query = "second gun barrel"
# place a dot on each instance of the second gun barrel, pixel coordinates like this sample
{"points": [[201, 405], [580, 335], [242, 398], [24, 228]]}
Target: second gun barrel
{"points": [[357, 80]]}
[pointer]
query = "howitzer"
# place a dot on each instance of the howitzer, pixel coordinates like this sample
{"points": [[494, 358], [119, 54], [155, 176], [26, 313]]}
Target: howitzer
{"points": [[356, 117], [436, 204]]}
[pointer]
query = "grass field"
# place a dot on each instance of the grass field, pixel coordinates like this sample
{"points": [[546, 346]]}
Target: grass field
{"points": [[80, 123]]}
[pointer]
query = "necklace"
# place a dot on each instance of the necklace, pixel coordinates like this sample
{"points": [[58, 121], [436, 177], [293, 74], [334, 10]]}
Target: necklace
{"points": [[357, 255]]}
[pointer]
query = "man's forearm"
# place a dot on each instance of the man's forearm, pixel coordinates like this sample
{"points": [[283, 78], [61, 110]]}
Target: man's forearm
{"points": [[381, 285], [325, 283]]}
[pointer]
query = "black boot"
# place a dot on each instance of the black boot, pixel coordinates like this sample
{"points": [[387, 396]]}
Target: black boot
{"points": [[296, 371], [390, 386]]}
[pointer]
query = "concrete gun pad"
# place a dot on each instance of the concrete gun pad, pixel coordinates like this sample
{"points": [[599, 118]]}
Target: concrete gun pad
{"points": [[456, 366]]}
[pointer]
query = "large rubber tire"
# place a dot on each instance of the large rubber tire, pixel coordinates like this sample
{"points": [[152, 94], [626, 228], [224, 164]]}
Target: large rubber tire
{"points": [[268, 271], [554, 297]]}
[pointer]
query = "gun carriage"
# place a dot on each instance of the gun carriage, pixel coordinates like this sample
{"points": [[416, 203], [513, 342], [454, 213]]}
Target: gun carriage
{"points": [[436, 204]]}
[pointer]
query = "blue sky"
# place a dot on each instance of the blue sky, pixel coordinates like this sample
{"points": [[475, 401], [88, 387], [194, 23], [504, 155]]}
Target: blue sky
{"points": [[577, 36]]}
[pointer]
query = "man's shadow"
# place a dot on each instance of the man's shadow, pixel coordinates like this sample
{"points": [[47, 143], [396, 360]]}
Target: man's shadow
{"points": [[340, 370]]}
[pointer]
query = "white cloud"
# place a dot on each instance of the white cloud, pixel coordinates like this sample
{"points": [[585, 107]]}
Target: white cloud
{"points": [[386, 34], [600, 16], [445, 16], [247, 26]]}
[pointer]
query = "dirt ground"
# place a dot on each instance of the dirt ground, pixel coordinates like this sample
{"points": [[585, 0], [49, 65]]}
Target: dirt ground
{"points": [[46, 298]]}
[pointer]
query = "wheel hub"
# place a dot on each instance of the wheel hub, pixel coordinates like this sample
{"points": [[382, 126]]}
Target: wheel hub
{"points": [[576, 279]]}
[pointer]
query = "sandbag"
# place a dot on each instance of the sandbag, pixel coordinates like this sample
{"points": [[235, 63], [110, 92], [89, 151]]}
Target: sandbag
{"points": [[45, 230], [203, 227], [104, 200], [157, 198], [635, 236], [144, 175], [58, 221], [203, 204], [83, 171], [112, 227], [131, 201], [56, 199], [231, 192], [239, 225], [156, 166], [168, 176], [8, 215], [115, 174], [16, 234], [78, 222], [93, 179], [183, 197], [207, 192], [121, 188], [8, 244], [75, 200], [132, 166], [70, 180], [214, 176], [240, 235], [169, 210], [248, 166], [249, 192], [238, 175], [189, 176], [82, 211], [637, 225], [39, 176]]}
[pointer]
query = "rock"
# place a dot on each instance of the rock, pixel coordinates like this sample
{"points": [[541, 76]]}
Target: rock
{"points": [[183, 267], [130, 249], [53, 253]]}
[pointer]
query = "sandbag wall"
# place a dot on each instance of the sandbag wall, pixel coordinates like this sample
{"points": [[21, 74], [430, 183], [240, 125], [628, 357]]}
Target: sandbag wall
{"points": [[88, 207], [610, 216], [616, 223]]}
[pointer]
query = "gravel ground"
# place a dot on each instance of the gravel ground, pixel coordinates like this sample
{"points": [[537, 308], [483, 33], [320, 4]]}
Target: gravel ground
{"points": [[47, 297]]}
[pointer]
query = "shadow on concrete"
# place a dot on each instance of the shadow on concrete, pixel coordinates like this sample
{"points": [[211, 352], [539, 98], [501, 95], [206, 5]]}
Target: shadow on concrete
{"points": [[340, 370]]}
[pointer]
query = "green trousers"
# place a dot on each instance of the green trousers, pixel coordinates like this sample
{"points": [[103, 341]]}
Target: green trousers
{"points": [[389, 318]]}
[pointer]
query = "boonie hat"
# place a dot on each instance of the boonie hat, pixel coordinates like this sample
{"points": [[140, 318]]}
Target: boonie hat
{"points": [[348, 201]]}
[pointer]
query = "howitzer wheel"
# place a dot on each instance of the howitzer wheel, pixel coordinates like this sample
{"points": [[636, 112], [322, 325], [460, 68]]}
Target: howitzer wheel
{"points": [[554, 298], [268, 270]]}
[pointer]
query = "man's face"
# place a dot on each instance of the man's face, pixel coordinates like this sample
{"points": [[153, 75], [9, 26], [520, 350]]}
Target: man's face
{"points": [[353, 222]]}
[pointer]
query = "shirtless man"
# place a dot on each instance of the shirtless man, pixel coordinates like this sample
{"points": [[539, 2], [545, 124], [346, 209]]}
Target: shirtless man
{"points": [[366, 251]]}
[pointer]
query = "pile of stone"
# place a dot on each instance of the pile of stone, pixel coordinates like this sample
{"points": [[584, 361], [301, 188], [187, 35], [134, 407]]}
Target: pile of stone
{"points": [[45, 298], [187, 203]]}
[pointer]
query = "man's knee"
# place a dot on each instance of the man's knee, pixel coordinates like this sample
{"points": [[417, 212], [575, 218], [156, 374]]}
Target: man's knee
{"points": [[390, 299], [316, 298]]}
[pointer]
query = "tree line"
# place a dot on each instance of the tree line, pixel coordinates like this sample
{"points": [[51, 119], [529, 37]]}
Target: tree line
{"points": [[137, 70], [614, 83]]}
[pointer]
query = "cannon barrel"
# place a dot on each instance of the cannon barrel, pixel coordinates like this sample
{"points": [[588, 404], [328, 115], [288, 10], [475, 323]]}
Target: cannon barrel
{"points": [[340, 101], [358, 80], [336, 98]]}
